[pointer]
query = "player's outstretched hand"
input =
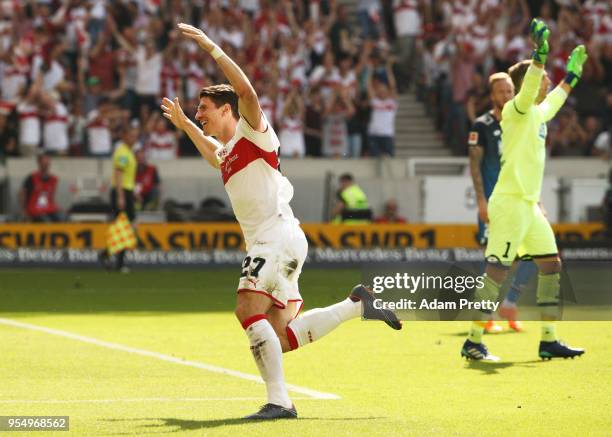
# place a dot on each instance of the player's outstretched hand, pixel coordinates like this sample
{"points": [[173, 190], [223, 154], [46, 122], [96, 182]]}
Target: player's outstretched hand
{"points": [[198, 36], [172, 111], [539, 36], [575, 62]]}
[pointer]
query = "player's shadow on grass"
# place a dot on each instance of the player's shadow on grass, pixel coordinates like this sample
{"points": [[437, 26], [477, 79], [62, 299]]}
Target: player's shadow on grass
{"points": [[492, 368], [191, 425], [495, 334]]}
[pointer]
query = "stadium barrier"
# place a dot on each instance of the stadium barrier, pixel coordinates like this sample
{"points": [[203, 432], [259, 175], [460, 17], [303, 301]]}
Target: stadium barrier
{"points": [[204, 244], [428, 190]]}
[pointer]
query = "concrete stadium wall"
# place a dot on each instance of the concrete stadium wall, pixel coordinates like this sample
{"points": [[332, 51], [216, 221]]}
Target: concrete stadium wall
{"points": [[191, 180]]}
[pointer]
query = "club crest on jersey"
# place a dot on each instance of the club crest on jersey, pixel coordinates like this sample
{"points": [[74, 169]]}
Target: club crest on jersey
{"points": [[222, 153], [543, 131], [473, 138]]}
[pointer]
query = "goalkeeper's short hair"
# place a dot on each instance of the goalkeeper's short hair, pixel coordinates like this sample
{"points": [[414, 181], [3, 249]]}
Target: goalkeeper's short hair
{"points": [[517, 73]]}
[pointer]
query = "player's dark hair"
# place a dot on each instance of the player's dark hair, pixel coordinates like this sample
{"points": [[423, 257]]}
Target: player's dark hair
{"points": [[346, 177], [41, 155], [220, 95], [517, 73]]}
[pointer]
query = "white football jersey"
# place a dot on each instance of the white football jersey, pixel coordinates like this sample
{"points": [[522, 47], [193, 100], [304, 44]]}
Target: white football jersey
{"points": [[259, 193]]}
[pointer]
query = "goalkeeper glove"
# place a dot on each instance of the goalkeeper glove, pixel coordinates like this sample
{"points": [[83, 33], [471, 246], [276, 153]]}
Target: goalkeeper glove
{"points": [[539, 37], [575, 61]]}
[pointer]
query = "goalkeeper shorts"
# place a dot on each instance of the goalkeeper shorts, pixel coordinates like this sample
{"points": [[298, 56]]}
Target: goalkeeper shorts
{"points": [[518, 227]]}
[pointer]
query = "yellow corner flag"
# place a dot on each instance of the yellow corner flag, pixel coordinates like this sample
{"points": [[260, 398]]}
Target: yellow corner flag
{"points": [[120, 235]]}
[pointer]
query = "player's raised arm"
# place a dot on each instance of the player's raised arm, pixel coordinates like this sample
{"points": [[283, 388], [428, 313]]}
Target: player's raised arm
{"points": [[248, 104], [206, 146], [555, 99], [530, 86]]}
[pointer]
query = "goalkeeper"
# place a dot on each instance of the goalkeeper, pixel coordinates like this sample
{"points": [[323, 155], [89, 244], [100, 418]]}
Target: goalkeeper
{"points": [[517, 225]]}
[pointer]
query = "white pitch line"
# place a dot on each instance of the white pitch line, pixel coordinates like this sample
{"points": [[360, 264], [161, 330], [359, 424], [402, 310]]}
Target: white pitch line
{"points": [[116, 346], [110, 401]]}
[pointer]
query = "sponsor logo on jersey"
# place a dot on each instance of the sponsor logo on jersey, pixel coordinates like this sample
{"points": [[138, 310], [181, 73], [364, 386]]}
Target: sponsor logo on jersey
{"points": [[543, 131]]}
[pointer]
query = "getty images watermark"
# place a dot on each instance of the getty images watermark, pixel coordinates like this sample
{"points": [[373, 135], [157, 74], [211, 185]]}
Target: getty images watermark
{"points": [[413, 284], [437, 290]]}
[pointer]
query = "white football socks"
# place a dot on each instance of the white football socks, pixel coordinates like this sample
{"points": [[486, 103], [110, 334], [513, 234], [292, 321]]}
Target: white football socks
{"points": [[318, 322], [266, 349]]}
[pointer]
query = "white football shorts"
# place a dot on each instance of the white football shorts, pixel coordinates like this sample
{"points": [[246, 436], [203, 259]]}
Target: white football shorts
{"points": [[274, 262]]}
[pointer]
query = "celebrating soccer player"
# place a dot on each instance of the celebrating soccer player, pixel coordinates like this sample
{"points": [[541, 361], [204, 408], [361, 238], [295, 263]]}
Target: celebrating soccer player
{"points": [[517, 224], [236, 138], [485, 150]]}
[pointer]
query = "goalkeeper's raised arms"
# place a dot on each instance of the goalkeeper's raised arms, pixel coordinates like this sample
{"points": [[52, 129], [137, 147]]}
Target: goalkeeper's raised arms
{"points": [[539, 36], [575, 62]]}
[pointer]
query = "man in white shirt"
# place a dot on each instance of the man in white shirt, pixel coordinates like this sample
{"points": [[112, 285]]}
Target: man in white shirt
{"points": [[408, 26], [236, 138], [381, 129], [55, 125], [28, 113]]}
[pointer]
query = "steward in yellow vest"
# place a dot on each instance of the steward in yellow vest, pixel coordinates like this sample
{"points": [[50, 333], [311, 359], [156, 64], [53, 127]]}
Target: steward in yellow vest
{"points": [[352, 207]]}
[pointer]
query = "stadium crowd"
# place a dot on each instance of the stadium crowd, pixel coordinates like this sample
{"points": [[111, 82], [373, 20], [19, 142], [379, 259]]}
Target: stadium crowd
{"points": [[464, 42], [74, 73]]}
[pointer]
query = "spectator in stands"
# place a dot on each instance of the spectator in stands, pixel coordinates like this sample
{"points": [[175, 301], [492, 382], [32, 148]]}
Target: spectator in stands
{"points": [[77, 125], [93, 95], [462, 72], [326, 75], [149, 63], [28, 112], [148, 76], [568, 137], [162, 143], [90, 52], [99, 140], [390, 213], [37, 194], [592, 128], [603, 145], [8, 134], [147, 190], [102, 60], [55, 124], [341, 33], [14, 80], [408, 26], [267, 93], [51, 71], [291, 135], [127, 66], [381, 129], [369, 17], [348, 82], [338, 109], [478, 98], [313, 129], [352, 206]]}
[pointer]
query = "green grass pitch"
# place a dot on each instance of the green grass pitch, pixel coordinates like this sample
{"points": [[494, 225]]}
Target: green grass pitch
{"points": [[406, 383]]}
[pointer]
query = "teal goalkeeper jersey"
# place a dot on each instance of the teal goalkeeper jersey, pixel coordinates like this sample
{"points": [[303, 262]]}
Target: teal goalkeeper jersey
{"points": [[523, 127]]}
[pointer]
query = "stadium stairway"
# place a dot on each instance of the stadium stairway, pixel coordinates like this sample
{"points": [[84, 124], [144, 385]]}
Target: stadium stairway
{"points": [[415, 133]]}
